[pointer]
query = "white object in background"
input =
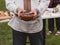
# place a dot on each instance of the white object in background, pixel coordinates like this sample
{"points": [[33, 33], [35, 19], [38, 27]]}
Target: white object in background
{"points": [[58, 6], [4, 20], [50, 15], [50, 9]]}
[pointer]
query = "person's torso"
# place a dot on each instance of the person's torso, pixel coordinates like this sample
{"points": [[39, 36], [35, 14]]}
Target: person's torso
{"points": [[26, 26]]}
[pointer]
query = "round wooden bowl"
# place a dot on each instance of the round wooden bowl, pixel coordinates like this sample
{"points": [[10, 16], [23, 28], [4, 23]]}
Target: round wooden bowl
{"points": [[26, 17]]}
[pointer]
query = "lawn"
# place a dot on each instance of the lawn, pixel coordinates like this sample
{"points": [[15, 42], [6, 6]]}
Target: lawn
{"points": [[6, 32]]}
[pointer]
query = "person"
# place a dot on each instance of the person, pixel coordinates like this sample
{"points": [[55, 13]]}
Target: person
{"points": [[51, 21], [58, 20], [21, 28], [53, 4]]}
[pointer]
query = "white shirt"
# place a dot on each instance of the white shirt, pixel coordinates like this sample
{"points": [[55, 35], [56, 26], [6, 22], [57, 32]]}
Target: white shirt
{"points": [[27, 26]]}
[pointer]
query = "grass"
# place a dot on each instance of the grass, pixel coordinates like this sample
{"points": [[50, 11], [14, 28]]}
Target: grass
{"points": [[52, 39], [2, 5], [6, 32]]}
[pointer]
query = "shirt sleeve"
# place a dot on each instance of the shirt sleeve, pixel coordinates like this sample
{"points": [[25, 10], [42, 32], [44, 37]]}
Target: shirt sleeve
{"points": [[43, 5], [11, 6]]}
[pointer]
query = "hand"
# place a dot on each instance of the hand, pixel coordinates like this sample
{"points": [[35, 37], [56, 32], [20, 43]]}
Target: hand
{"points": [[20, 12], [34, 13]]}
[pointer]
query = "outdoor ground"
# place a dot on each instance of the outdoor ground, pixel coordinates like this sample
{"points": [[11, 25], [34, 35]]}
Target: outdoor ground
{"points": [[6, 32]]}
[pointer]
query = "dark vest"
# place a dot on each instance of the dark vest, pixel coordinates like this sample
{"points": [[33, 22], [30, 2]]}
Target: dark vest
{"points": [[53, 3]]}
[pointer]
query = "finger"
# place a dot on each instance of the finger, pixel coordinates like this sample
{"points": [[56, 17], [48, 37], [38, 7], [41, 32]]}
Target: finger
{"points": [[24, 10], [35, 13], [31, 12], [20, 13]]}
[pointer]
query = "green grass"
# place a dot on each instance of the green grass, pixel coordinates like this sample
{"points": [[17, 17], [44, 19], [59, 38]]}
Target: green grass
{"points": [[6, 32], [52, 40], [2, 5]]}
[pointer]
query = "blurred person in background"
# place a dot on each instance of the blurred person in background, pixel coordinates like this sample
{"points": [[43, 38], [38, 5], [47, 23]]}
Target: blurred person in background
{"points": [[53, 4]]}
